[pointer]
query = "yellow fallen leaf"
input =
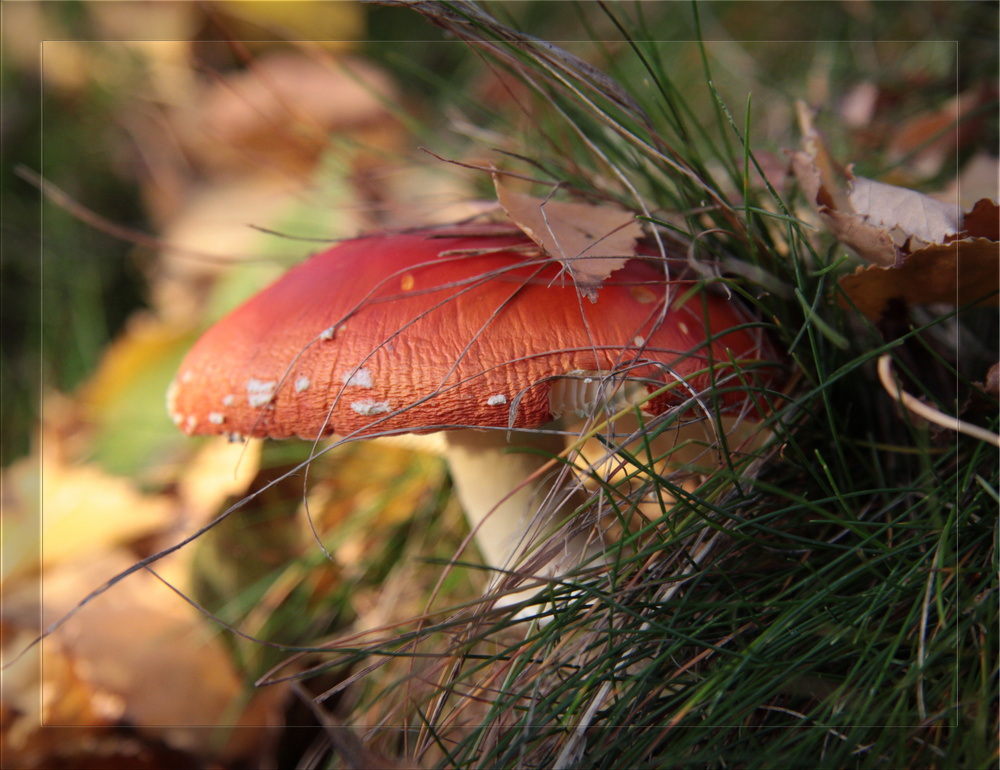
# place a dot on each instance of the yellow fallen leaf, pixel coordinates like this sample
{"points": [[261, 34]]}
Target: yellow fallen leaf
{"points": [[331, 25], [130, 433], [85, 508], [219, 470]]}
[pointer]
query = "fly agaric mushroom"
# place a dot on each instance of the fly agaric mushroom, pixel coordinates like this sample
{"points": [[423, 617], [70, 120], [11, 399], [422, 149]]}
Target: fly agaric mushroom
{"points": [[462, 328]]}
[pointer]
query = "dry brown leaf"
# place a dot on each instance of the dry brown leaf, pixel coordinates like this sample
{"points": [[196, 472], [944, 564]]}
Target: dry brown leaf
{"points": [[282, 110], [979, 178], [825, 184], [881, 222], [906, 234], [872, 243], [981, 405], [992, 385], [591, 241], [897, 208], [928, 139], [824, 167], [932, 136], [144, 655], [959, 272], [983, 221]]}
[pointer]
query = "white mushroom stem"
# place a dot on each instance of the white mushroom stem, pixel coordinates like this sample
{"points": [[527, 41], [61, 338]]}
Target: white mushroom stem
{"points": [[506, 506], [511, 502]]}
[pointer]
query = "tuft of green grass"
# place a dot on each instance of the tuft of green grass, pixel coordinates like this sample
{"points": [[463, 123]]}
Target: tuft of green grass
{"points": [[831, 602]]}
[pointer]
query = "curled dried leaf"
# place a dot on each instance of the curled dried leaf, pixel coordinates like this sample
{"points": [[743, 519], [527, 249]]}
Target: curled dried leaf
{"points": [[881, 222], [825, 185], [981, 405], [909, 237]]}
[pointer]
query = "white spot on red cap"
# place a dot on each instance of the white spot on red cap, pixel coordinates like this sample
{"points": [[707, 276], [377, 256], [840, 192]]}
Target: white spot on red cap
{"points": [[228, 400], [369, 407], [190, 423], [216, 418], [683, 327], [359, 378], [186, 377], [260, 392], [497, 400], [301, 384], [326, 334], [639, 340]]}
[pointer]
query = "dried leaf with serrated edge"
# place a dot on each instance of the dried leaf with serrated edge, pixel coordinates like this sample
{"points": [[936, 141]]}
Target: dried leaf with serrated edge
{"points": [[591, 241], [916, 215], [956, 273]]}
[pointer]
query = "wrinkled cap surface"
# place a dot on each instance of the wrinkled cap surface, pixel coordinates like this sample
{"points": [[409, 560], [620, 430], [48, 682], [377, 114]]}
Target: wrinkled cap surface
{"points": [[433, 330]]}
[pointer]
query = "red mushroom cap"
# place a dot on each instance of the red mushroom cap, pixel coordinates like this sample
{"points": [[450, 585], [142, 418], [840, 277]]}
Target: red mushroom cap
{"points": [[427, 330]]}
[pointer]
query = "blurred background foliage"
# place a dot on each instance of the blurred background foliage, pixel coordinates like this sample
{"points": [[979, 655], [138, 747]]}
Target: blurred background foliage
{"points": [[146, 237]]}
